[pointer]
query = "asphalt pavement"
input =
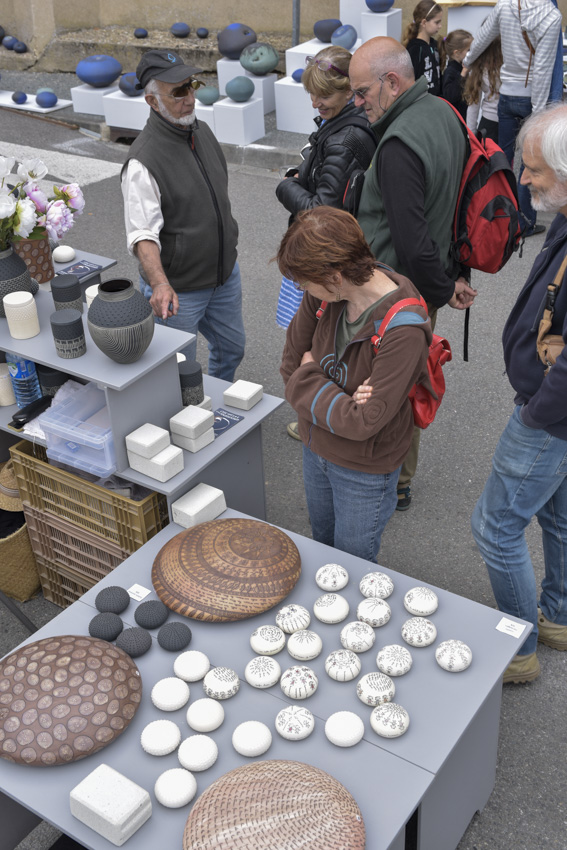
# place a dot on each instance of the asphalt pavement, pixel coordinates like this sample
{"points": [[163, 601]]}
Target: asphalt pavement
{"points": [[432, 541]]}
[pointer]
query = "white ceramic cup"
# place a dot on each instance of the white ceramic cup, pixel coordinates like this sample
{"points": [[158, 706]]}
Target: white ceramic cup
{"points": [[21, 313], [91, 293]]}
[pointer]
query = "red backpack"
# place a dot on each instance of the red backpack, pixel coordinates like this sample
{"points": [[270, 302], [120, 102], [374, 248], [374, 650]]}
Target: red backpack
{"points": [[486, 225]]}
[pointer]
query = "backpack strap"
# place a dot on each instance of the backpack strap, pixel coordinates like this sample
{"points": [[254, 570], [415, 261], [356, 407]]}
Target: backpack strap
{"points": [[321, 309], [395, 318]]}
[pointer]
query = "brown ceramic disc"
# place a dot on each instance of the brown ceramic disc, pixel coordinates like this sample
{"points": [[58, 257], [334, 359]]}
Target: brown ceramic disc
{"points": [[64, 698], [226, 570], [283, 804]]}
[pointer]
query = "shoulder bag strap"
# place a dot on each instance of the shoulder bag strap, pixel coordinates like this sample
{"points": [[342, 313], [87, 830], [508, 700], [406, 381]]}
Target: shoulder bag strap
{"points": [[376, 340]]}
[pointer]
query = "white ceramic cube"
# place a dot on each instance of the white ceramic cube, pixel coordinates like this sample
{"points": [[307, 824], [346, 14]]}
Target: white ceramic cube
{"points": [[147, 440], [264, 89], [88, 100], [191, 445], [350, 12], [110, 804], [243, 394], [191, 422], [205, 114], [239, 123], [294, 112], [295, 56], [201, 504], [130, 113], [374, 24], [206, 404], [162, 466]]}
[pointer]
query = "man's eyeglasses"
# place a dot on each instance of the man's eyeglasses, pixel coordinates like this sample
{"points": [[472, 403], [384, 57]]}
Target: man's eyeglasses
{"points": [[361, 93], [182, 91], [324, 65]]}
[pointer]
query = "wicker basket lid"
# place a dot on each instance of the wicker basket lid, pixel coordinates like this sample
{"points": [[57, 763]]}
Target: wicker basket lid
{"points": [[226, 570], [283, 804]]}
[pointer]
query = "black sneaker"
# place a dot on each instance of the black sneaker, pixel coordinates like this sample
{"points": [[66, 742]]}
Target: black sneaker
{"points": [[538, 228], [404, 499]]}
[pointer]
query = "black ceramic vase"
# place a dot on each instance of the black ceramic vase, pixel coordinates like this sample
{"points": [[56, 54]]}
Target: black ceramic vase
{"points": [[14, 277], [121, 321]]}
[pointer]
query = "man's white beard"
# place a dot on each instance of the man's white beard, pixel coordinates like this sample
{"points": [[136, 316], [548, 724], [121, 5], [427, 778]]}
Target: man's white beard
{"points": [[550, 200], [182, 121]]}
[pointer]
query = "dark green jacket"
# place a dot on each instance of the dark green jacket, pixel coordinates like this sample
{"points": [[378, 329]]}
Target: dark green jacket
{"points": [[199, 237]]}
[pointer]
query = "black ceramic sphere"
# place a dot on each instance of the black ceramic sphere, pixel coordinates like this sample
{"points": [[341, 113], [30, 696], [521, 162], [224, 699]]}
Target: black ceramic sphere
{"points": [[20, 47], [234, 38], [106, 626], [180, 30], [151, 614], [202, 32], [113, 599], [174, 636], [19, 96], [324, 29], [140, 32], [134, 641]]}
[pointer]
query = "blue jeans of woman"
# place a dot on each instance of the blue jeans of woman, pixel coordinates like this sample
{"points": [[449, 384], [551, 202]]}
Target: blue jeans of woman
{"points": [[348, 509], [528, 478], [217, 314], [512, 111]]}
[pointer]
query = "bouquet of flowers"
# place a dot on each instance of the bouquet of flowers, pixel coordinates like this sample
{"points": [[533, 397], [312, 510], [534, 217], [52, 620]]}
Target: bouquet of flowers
{"points": [[27, 212]]}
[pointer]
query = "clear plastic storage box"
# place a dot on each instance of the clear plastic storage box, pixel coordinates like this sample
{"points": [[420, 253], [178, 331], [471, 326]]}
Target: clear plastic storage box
{"points": [[78, 432]]}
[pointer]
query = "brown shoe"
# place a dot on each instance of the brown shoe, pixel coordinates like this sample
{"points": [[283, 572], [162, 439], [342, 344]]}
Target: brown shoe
{"points": [[551, 634], [293, 430], [522, 668]]}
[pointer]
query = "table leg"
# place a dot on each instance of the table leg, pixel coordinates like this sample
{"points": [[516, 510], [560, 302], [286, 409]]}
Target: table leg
{"points": [[465, 781], [16, 820]]}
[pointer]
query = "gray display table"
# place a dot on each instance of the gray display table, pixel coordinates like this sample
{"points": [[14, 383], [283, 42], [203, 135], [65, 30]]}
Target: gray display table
{"points": [[443, 767]]}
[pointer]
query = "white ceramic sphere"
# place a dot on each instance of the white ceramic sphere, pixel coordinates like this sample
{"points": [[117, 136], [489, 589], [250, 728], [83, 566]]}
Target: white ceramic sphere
{"points": [[263, 671], [251, 738], [453, 656], [344, 728], [198, 752], [375, 688], [205, 715], [331, 577], [221, 683], [342, 665], [63, 254], [291, 618], [374, 611], [331, 608], [267, 640], [358, 636], [304, 645], [294, 722], [170, 694], [160, 737], [421, 601], [299, 682], [191, 666], [419, 632], [376, 584], [394, 660], [389, 720], [175, 788]]}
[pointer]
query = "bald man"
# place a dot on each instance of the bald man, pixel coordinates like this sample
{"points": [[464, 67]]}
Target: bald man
{"points": [[410, 190]]}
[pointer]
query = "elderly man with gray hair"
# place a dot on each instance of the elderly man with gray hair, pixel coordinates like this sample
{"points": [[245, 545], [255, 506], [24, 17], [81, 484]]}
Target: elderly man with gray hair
{"points": [[529, 468]]}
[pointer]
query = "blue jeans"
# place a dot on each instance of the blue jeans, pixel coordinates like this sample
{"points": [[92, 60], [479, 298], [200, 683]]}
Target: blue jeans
{"points": [[511, 113], [348, 509], [217, 314], [556, 87], [528, 478]]}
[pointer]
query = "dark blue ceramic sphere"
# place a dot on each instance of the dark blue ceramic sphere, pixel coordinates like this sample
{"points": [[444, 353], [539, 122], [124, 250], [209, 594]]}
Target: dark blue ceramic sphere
{"points": [[99, 70], [8, 42], [127, 84], [297, 75], [234, 38], [19, 96], [324, 29], [207, 95], [46, 99], [344, 36], [202, 32], [20, 47], [180, 30], [379, 5], [240, 89], [140, 32]]}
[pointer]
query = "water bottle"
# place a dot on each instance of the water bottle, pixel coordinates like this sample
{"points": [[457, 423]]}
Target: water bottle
{"points": [[24, 379]]}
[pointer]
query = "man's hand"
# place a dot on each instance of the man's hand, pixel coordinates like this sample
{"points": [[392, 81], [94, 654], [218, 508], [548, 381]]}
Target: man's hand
{"points": [[164, 301], [463, 295], [307, 358], [163, 294]]}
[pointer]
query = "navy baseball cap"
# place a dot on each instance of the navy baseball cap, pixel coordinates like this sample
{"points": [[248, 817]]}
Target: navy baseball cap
{"points": [[164, 65]]}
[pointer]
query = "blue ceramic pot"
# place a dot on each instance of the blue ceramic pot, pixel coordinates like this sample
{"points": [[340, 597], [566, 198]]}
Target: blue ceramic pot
{"points": [[344, 36], [99, 70], [180, 30], [240, 89], [234, 38], [379, 5], [127, 84], [8, 42], [19, 97], [207, 95], [259, 58], [202, 32], [297, 75], [140, 32], [324, 29], [20, 47], [46, 99]]}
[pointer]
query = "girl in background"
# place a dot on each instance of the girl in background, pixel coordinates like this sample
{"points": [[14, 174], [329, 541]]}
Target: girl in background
{"points": [[482, 89], [453, 50], [420, 42]]}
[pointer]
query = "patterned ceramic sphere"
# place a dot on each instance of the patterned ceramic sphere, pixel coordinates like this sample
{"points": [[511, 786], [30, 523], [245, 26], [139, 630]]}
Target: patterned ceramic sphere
{"points": [[259, 58], [344, 36], [99, 70], [240, 89], [234, 38]]}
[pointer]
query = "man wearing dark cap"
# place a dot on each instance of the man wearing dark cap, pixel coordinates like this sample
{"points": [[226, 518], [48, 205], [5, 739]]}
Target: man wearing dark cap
{"points": [[179, 223]]}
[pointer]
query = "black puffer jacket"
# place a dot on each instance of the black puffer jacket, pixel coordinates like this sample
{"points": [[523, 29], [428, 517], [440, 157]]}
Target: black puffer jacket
{"points": [[323, 176]]}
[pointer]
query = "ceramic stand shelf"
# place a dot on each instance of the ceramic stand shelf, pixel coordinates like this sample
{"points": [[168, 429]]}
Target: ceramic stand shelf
{"points": [[93, 277], [434, 778]]}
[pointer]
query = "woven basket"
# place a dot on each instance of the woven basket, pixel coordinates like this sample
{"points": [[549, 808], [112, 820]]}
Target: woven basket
{"points": [[18, 570]]}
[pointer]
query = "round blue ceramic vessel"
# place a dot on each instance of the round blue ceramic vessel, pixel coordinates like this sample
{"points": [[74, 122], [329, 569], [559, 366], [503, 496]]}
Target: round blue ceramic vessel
{"points": [[344, 36], [8, 42], [207, 95], [46, 99], [379, 5], [240, 89], [140, 32], [19, 97], [99, 70], [259, 58], [297, 75], [20, 47], [127, 84], [180, 30], [202, 32], [234, 38], [324, 29]]}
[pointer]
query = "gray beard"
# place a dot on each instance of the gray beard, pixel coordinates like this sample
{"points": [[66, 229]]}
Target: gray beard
{"points": [[552, 200], [183, 121]]}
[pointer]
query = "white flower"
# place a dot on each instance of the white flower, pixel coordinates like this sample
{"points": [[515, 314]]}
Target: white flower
{"points": [[26, 217], [32, 169], [7, 204], [6, 165]]}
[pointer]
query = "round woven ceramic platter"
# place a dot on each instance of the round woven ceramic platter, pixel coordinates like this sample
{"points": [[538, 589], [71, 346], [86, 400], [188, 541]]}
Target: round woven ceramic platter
{"points": [[283, 804], [226, 570], [64, 698]]}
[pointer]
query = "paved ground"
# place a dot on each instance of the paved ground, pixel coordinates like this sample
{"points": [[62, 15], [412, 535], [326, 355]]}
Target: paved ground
{"points": [[431, 542]]}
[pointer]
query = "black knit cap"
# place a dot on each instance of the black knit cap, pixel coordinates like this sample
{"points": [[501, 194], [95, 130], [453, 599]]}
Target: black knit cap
{"points": [[164, 65]]}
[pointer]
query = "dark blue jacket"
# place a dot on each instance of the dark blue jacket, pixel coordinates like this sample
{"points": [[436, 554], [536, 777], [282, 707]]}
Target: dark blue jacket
{"points": [[544, 397]]}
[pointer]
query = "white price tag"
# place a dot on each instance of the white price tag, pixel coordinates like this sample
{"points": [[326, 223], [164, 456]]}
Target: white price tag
{"points": [[138, 592], [509, 627]]}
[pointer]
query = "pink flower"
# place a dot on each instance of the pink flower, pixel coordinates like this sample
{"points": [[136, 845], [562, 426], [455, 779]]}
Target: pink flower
{"points": [[39, 198], [73, 196], [58, 219]]}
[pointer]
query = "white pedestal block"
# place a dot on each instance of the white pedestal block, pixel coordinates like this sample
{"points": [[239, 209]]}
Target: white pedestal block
{"points": [[88, 100], [191, 422], [227, 70], [381, 24], [130, 113], [243, 394], [264, 89], [162, 466], [201, 504], [239, 123], [205, 114], [30, 105], [294, 112], [350, 12], [467, 18], [191, 445], [295, 56]]}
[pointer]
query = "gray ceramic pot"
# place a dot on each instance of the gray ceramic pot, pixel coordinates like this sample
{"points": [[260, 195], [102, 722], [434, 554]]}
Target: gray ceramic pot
{"points": [[14, 277], [121, 321]]}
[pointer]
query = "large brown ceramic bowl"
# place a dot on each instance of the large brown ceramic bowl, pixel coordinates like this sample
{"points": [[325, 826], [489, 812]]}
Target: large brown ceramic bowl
{"points": [[64, 698], [226, 570]]}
